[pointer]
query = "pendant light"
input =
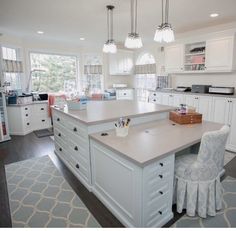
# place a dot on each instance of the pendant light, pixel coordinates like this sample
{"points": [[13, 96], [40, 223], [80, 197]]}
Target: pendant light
{"points": [[110, 46], [133, 40], [164, 32]]}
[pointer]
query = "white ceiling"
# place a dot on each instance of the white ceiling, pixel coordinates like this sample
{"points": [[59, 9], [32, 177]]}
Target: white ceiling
{"points": [[68, 20]]}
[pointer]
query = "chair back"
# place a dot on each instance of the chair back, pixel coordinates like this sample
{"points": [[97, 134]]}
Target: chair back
{"points": [[212, 149]]}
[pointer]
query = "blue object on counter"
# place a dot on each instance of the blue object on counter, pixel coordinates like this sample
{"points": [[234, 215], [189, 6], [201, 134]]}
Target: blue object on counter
{"points": [[12, 99]]}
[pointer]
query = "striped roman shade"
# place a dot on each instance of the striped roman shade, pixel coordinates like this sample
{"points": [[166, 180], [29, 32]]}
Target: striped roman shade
{"points": [[145, 69], [92, 69], [12, 66]]}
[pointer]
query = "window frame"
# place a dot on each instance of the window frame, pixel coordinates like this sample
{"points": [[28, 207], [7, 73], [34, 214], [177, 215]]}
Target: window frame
{"points": [[49, 52]]}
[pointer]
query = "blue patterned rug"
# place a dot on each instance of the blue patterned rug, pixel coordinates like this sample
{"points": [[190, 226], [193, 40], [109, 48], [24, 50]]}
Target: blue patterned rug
{"points": [[224, 218], [40, 197]]}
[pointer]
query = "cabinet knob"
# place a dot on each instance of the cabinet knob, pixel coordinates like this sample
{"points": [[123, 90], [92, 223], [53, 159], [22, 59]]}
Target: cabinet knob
{"points": [[28, 124], [154, 94], [154, 100], [124, 93], [59, 134], [161, 164], [161, 192], [161, 176], [77, 165], [42, 109], [60, 149], [160, 212], [58, 119], [43, 120], [75, 129], [76, 148], [26, 108], [26, 115]]}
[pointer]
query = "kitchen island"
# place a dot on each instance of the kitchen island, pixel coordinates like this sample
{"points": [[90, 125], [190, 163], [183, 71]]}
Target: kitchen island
{"points": [[133, 176], [73, 127]]}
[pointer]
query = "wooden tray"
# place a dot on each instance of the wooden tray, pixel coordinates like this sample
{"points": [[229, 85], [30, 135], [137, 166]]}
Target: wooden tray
{"points": [[189, 118]]}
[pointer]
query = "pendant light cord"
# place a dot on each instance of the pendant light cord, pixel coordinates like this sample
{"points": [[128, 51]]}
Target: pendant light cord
{"points": [[134, 18], [167, 11], [162, 12]]}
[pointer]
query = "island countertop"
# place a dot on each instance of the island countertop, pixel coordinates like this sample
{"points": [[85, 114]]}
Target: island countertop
{"points": [[148, 142], [106, 111]]}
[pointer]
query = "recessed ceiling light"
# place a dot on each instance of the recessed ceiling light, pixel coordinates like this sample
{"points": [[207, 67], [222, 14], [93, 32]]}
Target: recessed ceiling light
{"points": [[214, 15], [40, 32], [82, 39]]}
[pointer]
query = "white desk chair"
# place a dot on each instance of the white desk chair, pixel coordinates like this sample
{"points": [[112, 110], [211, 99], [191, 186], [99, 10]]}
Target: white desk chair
{"points": [[197, 177]]}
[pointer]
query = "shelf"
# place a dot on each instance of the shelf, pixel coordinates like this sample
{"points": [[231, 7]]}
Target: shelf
{"points": [[195, 54]]}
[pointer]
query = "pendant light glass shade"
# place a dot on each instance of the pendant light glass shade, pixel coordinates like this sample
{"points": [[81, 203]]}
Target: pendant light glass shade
{"points": [[133, 40], [110, 46], [164, 32]]}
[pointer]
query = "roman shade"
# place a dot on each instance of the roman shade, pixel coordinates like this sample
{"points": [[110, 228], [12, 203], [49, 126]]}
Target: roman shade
{"points": [[92, 69], [145, 69], [12, 66]]}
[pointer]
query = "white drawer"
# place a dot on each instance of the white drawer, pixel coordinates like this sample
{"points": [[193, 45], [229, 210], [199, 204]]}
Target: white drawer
{"points": [[154, 95], [59, 134]]}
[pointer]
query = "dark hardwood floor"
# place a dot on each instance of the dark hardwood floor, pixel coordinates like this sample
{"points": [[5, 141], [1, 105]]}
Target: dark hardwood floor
{"points": [[25, 147]]}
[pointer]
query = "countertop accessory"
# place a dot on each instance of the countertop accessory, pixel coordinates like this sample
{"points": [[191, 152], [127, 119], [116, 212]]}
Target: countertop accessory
{"points": [[222, 90], [188, 118], [200, 88], [77, 104], [122, 127]]}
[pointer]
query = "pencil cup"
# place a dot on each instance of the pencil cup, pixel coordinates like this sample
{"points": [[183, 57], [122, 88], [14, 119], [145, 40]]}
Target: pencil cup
{"points": [[122, 132]]}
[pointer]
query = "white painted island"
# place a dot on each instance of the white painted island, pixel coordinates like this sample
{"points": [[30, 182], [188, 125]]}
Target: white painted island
{"points": [[132, 176]]}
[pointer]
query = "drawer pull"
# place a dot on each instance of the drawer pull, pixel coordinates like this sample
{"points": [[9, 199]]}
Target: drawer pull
{"points": [[154, 94], [26, 108], [161, 192], [26, 115], [42, 109], [28, 124], [161, 176], [154, 100], [58, 119], [59, 134], [43, 120], [76, 148], [77, 165], [161, 164], [124, 93], [60, 149], [75, 129], [160, 212]]}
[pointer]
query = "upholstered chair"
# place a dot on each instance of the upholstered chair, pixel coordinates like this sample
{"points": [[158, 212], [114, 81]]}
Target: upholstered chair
{"points": [[197, 176]]}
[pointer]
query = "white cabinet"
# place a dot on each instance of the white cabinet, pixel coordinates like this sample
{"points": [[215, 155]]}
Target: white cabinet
{"points": [[202, 104], [224, 111], [24, 119], [174, 56], [121, 63], [125, 94], [219, 54], [220, 110], [137, 196], [232, 122]]}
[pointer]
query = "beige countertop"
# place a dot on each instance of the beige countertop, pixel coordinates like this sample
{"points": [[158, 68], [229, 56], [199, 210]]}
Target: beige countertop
{"points": [[152, 141], [190, 93], [26, 104], [107, 111]]}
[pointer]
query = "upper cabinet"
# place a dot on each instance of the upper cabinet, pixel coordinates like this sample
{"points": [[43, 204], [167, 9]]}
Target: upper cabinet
{"points": [[219, 54], [214, 55], [121, 63], [174, 58]]}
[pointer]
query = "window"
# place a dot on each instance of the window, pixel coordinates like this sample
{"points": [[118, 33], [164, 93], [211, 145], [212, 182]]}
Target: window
{"points": [[92, 80], [145, 76], [53, 73], [12, 68]]}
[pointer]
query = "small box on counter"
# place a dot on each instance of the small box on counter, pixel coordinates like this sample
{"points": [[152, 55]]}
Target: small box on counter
{"points": [[188, 118], [77, 104]]}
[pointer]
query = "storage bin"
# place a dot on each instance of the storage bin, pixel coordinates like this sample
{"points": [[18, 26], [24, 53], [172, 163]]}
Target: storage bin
{"points": [[77, 105]]}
